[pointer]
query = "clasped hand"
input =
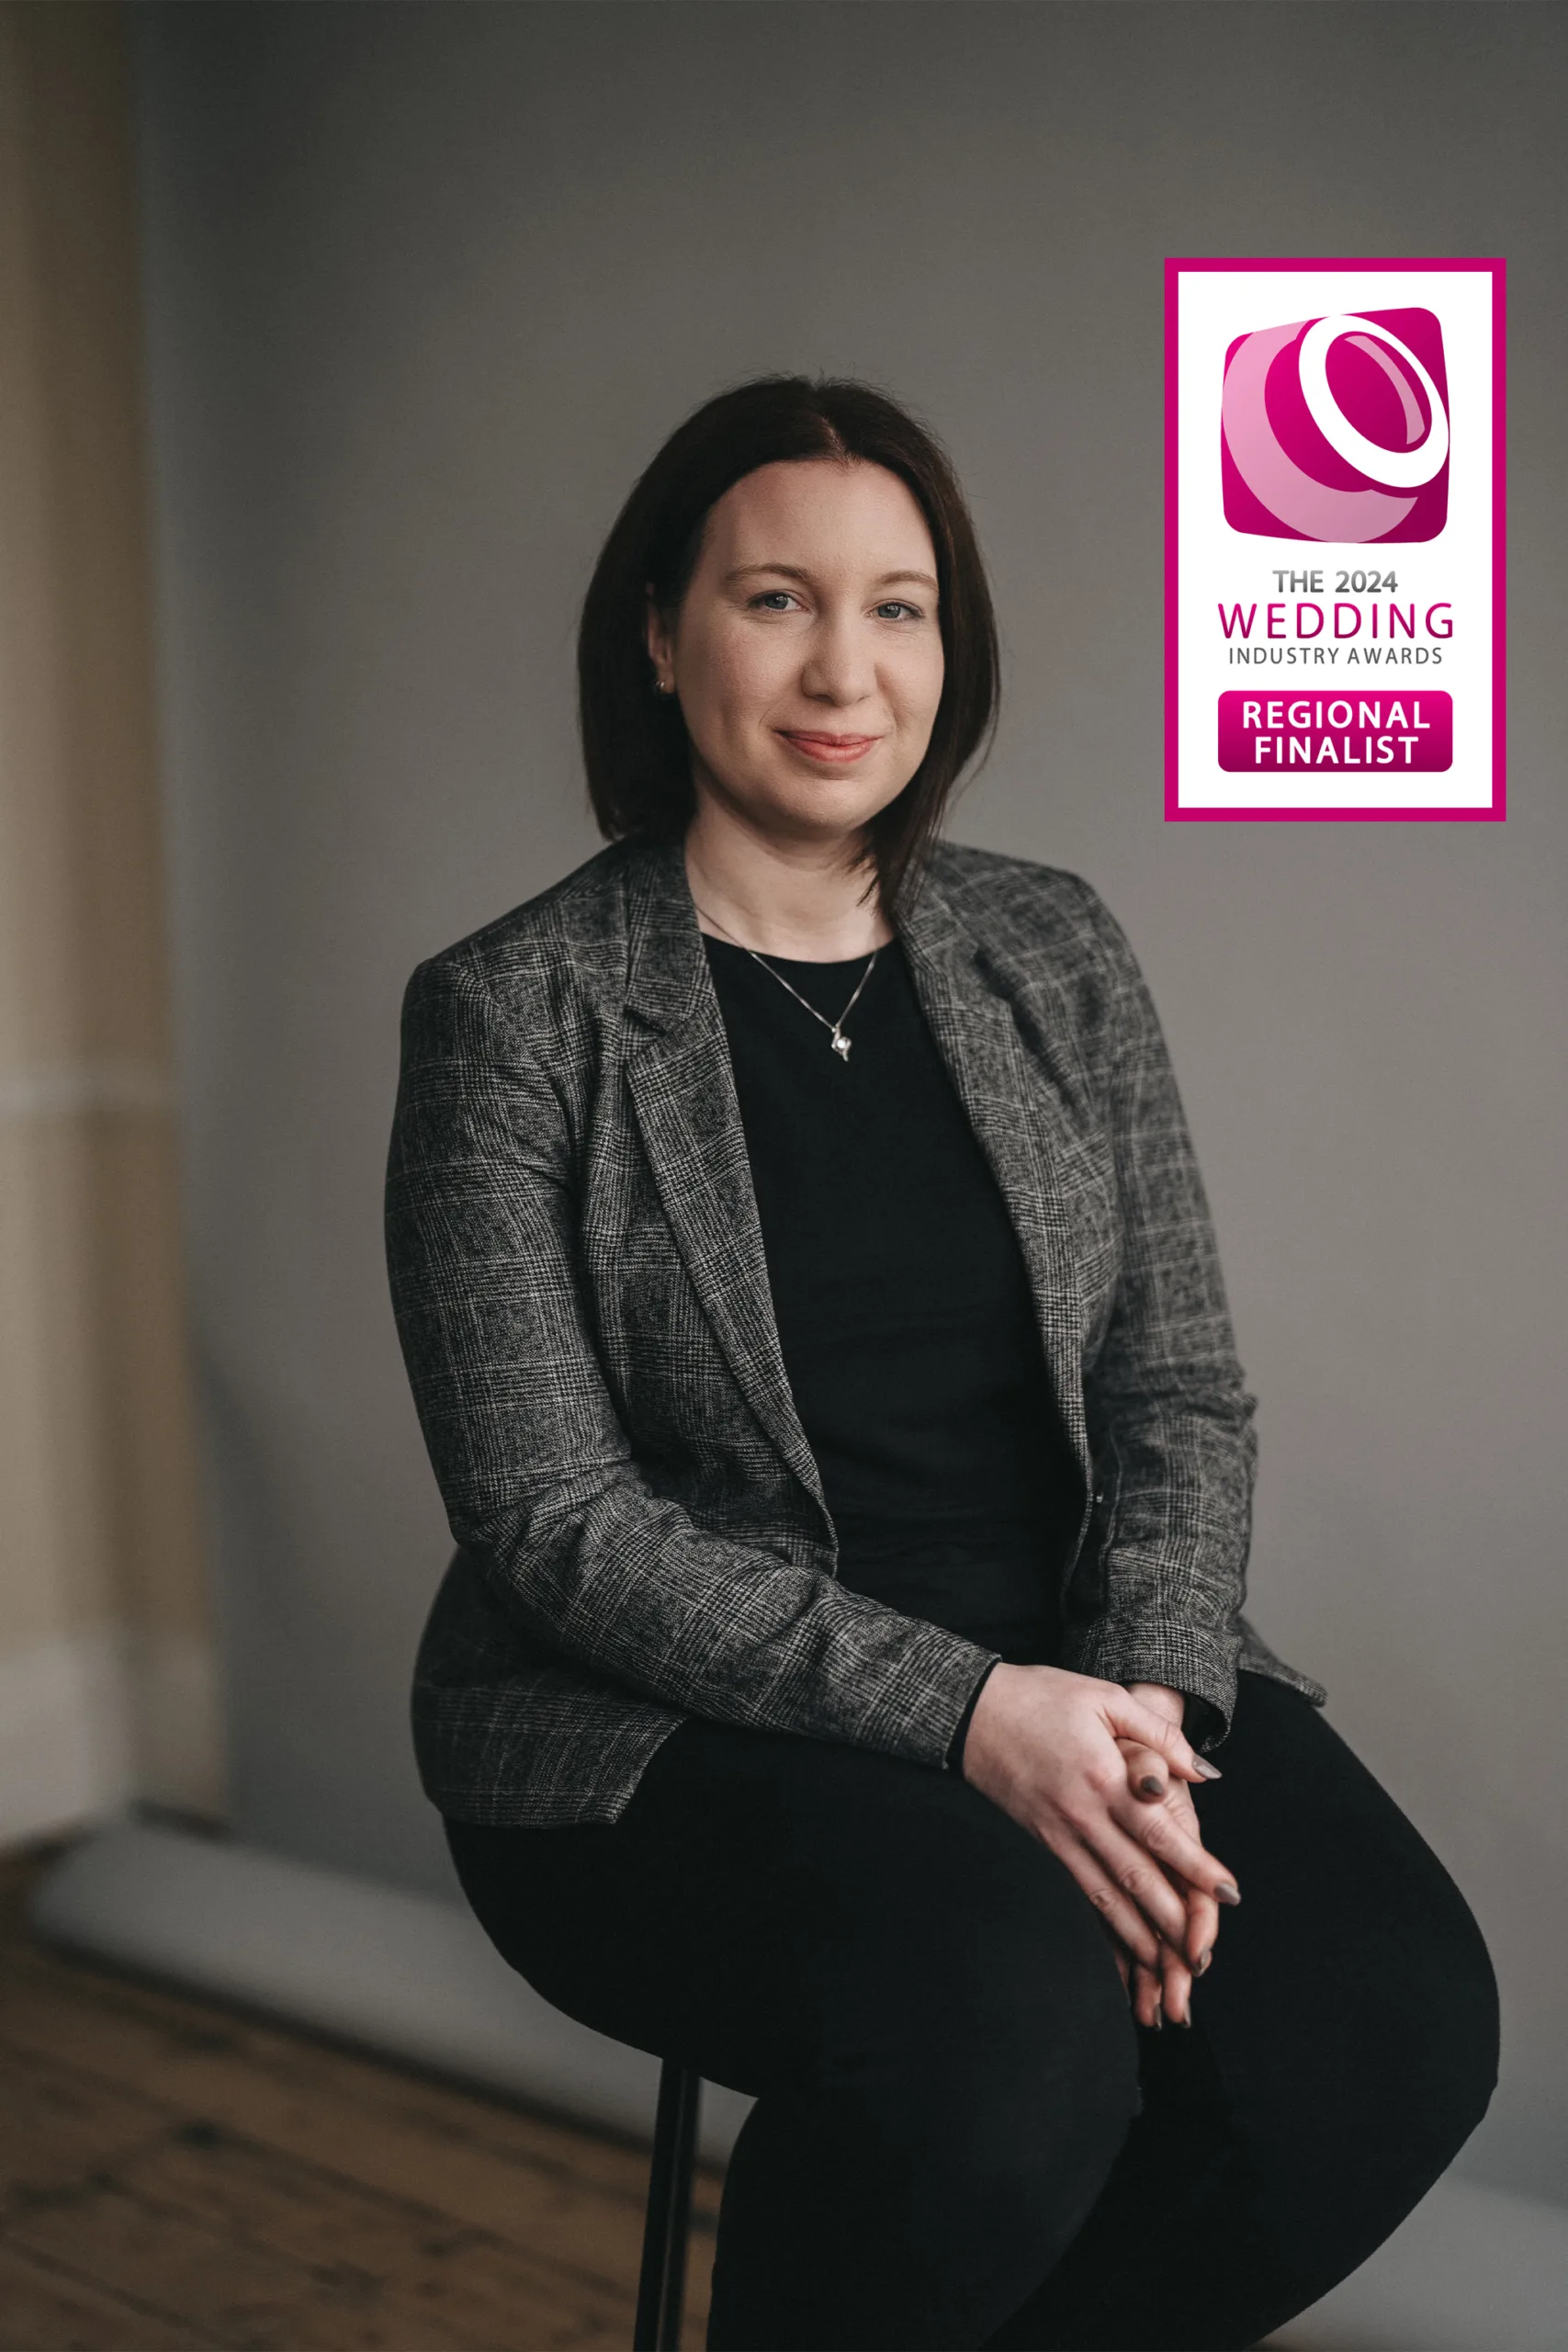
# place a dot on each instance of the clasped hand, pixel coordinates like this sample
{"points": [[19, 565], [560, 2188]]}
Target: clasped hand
{"points": [[1103, 1776]]}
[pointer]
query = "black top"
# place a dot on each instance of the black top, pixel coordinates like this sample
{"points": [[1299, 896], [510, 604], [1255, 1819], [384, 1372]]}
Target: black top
{"points": [[902, 1303]]}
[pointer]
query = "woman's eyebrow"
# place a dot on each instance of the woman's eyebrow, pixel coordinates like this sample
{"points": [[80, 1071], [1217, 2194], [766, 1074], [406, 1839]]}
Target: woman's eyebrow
{"points": [[794, 572], [748, 570]]}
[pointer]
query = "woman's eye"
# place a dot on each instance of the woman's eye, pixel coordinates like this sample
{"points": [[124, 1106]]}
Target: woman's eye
{"points": [[772, 600], [897, 610]]}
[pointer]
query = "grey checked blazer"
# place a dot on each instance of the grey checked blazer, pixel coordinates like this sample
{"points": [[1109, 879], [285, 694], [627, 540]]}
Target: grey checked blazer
{"points": [[580, 1292]]}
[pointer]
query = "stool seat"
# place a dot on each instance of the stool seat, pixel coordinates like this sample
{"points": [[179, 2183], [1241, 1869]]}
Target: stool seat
{"points": [[661, 2286]]}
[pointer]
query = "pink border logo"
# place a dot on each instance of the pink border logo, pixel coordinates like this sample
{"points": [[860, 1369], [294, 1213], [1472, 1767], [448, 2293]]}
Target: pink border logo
{"points": [[1337, 429], [1293, 330]]}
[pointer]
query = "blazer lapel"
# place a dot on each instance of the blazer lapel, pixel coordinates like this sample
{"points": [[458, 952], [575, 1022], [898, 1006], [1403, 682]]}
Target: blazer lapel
{"points": [[971, 1015], [683, 1091]]}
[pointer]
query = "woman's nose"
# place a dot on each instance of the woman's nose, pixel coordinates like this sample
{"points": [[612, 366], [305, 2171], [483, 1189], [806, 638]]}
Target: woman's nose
{"points": [[839, 667]]}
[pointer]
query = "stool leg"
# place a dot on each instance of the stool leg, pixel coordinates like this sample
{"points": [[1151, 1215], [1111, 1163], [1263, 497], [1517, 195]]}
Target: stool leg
{"points": [[661, 2289]]}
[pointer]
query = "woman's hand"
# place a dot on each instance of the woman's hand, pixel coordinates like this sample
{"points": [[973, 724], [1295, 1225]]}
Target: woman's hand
{"points": [[1168, 1994], [1043, 1744]]}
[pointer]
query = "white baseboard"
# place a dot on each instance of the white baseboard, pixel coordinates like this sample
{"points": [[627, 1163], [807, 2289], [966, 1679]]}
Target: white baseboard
{"points": [[91, 1722], [1475, 2269]]}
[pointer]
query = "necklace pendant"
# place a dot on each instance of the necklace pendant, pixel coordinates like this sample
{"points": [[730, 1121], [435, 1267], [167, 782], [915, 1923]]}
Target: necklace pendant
{"points": [[840, 1045]]}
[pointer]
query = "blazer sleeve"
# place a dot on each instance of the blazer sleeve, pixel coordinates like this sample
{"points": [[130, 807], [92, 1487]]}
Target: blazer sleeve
{"points": [[1169, 1419], [539, 1480]]}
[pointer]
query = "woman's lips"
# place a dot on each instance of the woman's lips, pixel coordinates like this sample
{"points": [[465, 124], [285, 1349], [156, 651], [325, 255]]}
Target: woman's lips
{"points": [[840, 749]]}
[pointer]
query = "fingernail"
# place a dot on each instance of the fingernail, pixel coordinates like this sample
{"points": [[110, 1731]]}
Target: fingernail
{"points": [[1226, 1892], [1210, 1771], [1185, 2020], [1150, 1787], [1157, 2023], [1203, 1960]]}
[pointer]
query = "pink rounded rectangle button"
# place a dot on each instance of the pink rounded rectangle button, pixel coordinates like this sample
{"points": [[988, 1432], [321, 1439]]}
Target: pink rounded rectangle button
{"points": [[1397, 732]]}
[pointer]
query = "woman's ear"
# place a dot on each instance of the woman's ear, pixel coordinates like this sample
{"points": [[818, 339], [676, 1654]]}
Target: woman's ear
{"points": [[660, 641]]}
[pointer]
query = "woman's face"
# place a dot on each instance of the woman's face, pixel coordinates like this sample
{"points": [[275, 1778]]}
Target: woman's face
{"points": [[806, 653]]}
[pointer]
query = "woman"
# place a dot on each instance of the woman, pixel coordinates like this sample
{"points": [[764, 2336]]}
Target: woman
{"points": [[810, 1302]]}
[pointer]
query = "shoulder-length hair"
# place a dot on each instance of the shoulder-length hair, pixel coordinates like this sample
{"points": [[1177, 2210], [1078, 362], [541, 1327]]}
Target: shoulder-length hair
{"points": [[634, 740]]}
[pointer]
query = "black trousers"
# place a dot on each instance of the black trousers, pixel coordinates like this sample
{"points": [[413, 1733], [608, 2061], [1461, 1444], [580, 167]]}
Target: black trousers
{"points": [[960, 2136]]}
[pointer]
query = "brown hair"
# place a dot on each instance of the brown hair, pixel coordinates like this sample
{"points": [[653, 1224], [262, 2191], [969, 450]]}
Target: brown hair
{"points": [[634, 740]]}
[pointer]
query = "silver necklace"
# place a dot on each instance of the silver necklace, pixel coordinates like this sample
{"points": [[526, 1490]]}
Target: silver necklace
{"points": [[841, 1043]]}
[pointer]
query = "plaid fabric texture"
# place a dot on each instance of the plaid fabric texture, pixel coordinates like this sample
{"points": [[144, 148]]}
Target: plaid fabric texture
{"points": [[580, 1292]]}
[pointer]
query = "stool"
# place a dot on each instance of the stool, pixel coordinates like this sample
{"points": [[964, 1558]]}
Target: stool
{"points": [[661, 2288]]}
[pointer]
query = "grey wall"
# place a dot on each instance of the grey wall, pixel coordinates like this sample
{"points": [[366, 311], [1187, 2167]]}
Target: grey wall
{"points": [[426, 286]]}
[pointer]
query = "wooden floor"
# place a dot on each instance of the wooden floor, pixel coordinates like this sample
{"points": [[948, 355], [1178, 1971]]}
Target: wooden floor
{"points": [[174, 2174]]}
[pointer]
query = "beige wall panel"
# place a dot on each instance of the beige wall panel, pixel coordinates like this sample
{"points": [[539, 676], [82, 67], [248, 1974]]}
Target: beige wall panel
{"points": [[80, 836], [56, 1508], [99, 1514], [147, 1411], [103, 1650], [42, 992]]}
